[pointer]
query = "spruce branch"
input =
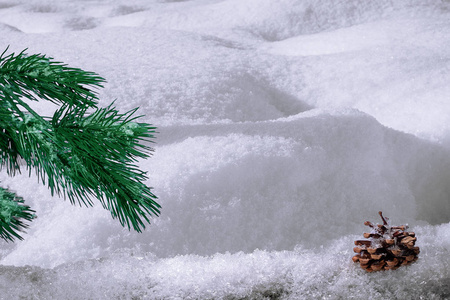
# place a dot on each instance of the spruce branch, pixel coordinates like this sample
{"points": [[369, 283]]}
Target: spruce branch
{"points": [[78, 155], [12, 212], [37, 77]]}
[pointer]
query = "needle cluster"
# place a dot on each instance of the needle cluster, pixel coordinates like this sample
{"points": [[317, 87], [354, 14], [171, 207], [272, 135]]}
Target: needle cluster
{"points": [[81, 152]]}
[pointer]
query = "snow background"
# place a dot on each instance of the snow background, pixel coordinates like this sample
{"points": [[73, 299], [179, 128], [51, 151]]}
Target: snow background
{"points": [[283, 126]]}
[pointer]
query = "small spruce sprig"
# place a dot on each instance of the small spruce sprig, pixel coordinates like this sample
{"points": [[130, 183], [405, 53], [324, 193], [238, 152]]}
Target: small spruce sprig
{"points": [[12, 215], [81, 152]]}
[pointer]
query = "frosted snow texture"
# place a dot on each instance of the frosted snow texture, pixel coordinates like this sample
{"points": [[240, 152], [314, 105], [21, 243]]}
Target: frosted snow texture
{"points": [[284, 125]]}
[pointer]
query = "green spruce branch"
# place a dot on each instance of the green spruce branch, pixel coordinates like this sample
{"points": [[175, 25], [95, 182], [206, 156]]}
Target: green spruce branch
{"points": [[78, 155], [12, 215]]}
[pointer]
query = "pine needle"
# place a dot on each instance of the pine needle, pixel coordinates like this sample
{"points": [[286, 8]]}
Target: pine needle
{"points": [[79, 156]]}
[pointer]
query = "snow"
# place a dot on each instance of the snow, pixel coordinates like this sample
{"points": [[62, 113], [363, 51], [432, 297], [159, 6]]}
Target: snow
{"points": [[283, 126]]}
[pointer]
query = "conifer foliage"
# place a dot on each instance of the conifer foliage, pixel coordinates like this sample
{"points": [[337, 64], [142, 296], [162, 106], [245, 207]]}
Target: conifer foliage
{"points": [[82, 152]]}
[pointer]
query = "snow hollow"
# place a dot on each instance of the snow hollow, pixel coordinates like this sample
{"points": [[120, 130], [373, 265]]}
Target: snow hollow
{"points": [[283, 126]]}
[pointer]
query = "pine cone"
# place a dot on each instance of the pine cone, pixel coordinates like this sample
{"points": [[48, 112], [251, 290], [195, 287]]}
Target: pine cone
{"points": [[386, 247]]}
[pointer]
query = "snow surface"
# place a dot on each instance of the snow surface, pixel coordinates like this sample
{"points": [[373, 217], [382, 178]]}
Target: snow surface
{"points": [[283, 126]]}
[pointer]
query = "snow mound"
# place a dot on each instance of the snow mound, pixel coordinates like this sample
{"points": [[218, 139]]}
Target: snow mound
{"points": [[269, 185]]}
